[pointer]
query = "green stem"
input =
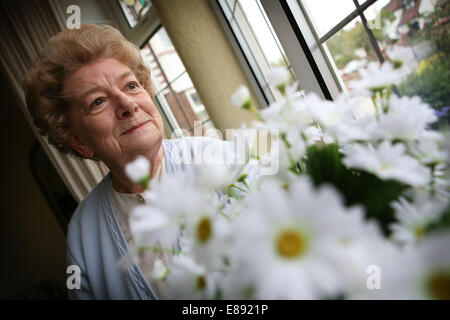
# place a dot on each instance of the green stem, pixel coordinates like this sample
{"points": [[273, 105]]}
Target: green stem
{"points": [[157, 249], [256, 113], [237, 187]]}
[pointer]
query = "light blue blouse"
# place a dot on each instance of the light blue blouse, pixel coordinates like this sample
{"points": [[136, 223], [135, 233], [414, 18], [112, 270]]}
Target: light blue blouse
{"points": [[95, 241]]}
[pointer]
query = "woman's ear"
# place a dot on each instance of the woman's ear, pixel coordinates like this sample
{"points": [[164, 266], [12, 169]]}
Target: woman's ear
{"points": [[79, 146]]}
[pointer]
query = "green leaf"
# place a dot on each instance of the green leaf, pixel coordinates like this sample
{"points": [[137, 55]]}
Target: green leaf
{"points": [[324, 166]]}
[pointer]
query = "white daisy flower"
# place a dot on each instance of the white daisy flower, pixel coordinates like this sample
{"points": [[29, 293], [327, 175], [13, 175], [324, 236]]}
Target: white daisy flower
{"points": [[138, 170], [356, 130], [329, 114], [189, 281], [228, 206], [165, 216], [420, 272], [376, 78], [245, 141], [175, 204], [149, 225], [438, 188], [312, 134], [414, 218], [213, 176], [426, 147], [205, 236], [387, 161], [406, 118], [288, 244], [378, 260], [369, 255], [297, 147], [288, 113], [287, 162], [434, 281], [235, 284], [250, 175], [402, 57]]}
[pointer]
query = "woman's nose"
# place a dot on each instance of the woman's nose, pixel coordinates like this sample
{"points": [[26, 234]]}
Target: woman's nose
{"points": [[126, 106]]}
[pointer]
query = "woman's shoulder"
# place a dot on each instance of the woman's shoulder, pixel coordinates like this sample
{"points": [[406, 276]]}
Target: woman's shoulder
{"points": [[85, 215]]}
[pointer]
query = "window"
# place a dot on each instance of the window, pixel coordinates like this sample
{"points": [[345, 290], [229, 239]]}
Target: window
{"points": [[258, 41], [419, 27], [179, 102], [353, 41], [325, 42], [134, 10]]}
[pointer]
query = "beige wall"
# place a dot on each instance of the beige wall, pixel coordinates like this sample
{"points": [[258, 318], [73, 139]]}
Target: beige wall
{"points": [[32, 243], [208, 57]]}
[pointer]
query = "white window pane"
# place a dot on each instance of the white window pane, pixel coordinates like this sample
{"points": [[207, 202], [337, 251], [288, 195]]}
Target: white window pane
{"points": [[175, 92], [350, 50], [182, 107], [167, 57], [262, 32], [257, 39], [374, 10], [325, 14]]}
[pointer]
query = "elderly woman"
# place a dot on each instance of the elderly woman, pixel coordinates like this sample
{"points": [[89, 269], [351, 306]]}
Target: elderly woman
{"points": [[90, 93]]}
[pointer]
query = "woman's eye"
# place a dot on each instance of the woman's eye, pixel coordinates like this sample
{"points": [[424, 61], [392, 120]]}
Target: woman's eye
{"points": [[96, 103], [132, 85]]}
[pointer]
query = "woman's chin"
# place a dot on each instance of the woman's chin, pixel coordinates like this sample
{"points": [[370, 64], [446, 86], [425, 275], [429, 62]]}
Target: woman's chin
{"points": [[144, 141]]}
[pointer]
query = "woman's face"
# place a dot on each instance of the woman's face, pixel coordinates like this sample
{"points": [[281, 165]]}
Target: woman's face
{"points": [[110, 114]]}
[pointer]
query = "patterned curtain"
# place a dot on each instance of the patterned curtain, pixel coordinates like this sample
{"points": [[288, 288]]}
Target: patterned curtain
{"points": [[26, 26]]}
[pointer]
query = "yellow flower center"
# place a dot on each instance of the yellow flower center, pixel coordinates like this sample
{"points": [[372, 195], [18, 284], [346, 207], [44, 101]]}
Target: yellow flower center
{"points": [[419, 233], [291, 244], [204, 229], [201, 282], [439, 285]]}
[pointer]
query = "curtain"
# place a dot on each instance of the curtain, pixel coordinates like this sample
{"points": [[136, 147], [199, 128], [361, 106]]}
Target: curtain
{"points": [[26, 26]]}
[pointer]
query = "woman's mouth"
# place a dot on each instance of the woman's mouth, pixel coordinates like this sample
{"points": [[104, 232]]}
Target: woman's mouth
{"points": [[135, 128]]}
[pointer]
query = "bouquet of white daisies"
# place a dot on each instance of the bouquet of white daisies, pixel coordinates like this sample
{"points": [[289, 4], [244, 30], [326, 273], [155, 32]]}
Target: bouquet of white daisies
{"points": [[358, 207]]}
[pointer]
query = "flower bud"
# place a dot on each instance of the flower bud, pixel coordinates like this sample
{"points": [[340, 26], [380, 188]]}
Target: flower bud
{"points": [[241, 98], [160, 271], [139, 171], [279, 77], [401, 57]]}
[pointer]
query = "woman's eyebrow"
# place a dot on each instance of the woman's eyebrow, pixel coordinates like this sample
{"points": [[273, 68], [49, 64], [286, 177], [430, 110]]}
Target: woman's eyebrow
{"points": [[96, 88], [87, 92], [125, 74]]}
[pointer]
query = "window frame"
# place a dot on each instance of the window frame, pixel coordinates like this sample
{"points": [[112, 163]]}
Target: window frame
{"points": [[309, 61], [309, 57], [239, 52], [142, 31]]}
